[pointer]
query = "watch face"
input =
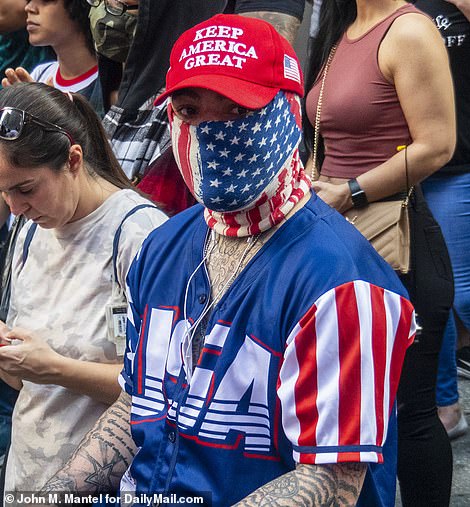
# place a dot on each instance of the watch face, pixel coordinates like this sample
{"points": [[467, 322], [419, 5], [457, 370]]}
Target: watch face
{"points": [[360, 199], [358, 196]]}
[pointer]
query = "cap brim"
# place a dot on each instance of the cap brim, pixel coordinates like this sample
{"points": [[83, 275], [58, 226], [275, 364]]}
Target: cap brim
{"points": [[244, 93]]}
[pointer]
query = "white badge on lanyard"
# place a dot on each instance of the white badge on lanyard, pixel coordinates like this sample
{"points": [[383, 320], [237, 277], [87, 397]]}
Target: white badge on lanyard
{"points": [[116, 319]]}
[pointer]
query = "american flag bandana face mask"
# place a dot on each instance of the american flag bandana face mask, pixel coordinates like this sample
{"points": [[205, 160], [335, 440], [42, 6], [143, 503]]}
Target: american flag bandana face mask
{"points": [[230, 166]]}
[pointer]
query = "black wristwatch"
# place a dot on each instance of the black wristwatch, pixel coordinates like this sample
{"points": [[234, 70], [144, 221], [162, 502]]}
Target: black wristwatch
{"points": [[358, 196]]}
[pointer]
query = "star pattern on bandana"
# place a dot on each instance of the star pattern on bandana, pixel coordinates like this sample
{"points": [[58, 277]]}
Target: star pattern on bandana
{"points": [[242, 156]]}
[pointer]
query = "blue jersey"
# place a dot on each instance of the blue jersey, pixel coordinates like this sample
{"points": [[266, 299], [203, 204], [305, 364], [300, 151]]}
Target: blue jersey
{"points": [[300, 362]]}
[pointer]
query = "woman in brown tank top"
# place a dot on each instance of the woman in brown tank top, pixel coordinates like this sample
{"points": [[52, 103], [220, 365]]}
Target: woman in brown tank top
{"points": [[389, 84]]}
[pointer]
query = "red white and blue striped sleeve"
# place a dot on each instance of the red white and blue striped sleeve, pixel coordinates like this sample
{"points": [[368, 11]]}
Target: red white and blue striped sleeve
{"points": [[340, 373]]}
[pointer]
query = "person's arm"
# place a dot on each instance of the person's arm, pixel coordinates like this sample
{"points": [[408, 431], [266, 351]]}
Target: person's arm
{"points": [[285, 15], [312, 485], [102, 457], [463, 6], [286, 24], [413, 57], [34, 360]]}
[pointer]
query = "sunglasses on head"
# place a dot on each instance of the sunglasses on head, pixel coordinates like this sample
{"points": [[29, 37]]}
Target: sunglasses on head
{"points": [[12, 121]]}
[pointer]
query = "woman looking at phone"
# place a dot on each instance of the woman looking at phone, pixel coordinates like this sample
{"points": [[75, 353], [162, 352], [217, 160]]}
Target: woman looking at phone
{"points": [[86, 223]]}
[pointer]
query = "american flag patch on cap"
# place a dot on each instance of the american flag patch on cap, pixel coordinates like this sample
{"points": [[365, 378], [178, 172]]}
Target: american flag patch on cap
{"points": [[291, 69]]}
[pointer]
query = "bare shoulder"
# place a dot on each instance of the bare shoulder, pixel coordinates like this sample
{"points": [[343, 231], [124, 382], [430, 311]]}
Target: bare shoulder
{"points": [[413, 43], [413, 30]]}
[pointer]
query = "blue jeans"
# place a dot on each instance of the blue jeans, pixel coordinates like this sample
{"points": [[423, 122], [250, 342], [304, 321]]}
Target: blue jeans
{"points": [[448, 197]]}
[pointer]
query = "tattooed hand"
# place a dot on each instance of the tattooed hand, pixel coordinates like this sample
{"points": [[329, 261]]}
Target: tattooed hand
{"points": [[285, 24]]}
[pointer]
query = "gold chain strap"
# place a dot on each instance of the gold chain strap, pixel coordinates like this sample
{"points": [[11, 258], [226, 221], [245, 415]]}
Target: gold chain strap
{"points": [[315, 174]]}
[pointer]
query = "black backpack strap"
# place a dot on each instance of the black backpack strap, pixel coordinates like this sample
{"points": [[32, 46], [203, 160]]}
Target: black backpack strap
{"points": [[44, 71], [117, 235], [28, 239], [6, 261]]}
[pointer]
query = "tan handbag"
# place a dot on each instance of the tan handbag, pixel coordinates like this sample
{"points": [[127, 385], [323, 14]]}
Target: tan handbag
{"points": [[384, 223]]}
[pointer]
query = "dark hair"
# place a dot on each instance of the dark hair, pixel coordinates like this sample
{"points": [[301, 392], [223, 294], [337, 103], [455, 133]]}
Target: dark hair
{"points": [[335, 17], [78, 11], [37, 147]]}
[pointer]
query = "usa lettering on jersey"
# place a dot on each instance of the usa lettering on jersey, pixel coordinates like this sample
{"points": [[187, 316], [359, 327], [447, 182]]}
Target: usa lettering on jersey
{"points": [[335, 381]]}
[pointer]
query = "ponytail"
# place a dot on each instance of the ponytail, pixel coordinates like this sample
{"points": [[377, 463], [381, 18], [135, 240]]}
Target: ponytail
{"points": [[98, 155], [37, 147]]}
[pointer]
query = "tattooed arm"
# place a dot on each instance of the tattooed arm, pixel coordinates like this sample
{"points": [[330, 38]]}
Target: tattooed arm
{"points": [[285, 24], [312, 485], [102, 457]]}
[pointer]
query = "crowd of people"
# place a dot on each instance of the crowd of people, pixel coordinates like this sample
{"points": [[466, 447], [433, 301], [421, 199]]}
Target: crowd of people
{"points": [[184, 309]]}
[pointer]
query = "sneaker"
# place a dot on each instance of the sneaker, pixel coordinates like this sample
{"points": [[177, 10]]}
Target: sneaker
{"points": [[459, 429], [463, 362]]}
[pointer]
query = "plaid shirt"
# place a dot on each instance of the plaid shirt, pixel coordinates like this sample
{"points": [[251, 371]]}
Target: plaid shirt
{"points": [[138, 137]]}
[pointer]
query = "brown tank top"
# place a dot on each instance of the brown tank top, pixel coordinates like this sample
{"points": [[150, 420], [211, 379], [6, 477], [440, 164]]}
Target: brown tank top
{"points": [[362, 122]]}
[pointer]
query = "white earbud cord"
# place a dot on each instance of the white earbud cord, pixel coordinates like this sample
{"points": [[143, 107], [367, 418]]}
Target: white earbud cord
{"points": [[191, 331]]}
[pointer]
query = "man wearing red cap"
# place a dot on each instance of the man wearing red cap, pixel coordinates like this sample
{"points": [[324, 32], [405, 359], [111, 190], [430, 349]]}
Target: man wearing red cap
{"points": [[265, 335]]}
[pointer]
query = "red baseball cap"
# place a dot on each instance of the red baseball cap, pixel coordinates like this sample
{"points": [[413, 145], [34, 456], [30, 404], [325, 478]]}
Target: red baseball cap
{"points": [[242, 58]]}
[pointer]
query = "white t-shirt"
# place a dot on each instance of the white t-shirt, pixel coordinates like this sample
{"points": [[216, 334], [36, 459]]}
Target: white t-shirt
{"points": [[60, 293], [49, 73]]}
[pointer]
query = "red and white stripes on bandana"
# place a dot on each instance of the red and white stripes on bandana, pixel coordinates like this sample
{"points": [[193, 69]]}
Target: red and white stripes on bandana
{"points": [[246, 172]]}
